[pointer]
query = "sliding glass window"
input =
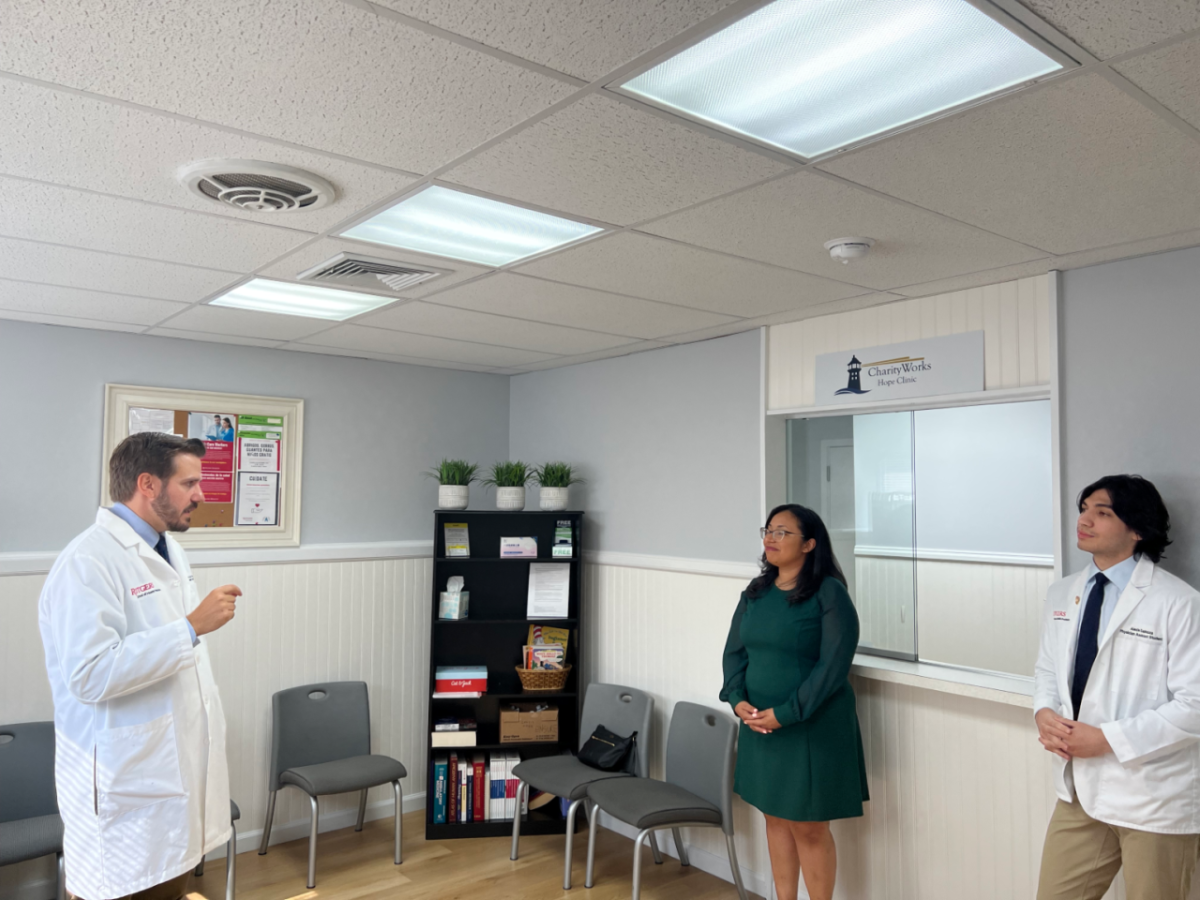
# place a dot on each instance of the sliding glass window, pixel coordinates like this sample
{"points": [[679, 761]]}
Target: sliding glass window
{"points": [[942, 521]]}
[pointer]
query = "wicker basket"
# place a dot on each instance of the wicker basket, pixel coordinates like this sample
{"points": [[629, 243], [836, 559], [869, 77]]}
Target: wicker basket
{"points": [[533, 680]]}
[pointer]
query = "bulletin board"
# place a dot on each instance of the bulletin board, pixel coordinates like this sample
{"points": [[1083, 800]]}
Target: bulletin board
{"points": [[251, 467]]}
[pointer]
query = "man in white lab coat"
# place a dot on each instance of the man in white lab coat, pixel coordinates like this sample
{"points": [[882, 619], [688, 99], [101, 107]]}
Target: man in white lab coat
{"points": [[140, 735], [1117, 701]]}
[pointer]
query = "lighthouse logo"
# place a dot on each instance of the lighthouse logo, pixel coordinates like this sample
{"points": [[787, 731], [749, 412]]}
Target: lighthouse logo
{"points": [[853, 384]]}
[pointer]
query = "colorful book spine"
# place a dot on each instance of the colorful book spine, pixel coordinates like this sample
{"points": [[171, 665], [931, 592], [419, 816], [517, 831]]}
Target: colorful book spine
{"points": [[439, 791], [478, 792], [452, 789], [469, 793]]}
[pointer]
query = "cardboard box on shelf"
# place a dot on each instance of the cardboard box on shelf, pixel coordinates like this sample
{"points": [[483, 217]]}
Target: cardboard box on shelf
{"points": [[524, 723]]}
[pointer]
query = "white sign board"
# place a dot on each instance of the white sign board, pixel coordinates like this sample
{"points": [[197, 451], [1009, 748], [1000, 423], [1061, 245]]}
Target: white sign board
{"points": [[943, 365]]}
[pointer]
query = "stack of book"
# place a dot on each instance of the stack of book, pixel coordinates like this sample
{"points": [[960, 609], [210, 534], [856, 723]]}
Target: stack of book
{"points": [[475, 788], [453, 732], [459, 682]]}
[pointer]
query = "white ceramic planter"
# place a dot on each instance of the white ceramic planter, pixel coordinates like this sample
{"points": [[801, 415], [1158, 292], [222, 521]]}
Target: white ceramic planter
{"points": [[553, 497], [510, 498], [453, 496]]}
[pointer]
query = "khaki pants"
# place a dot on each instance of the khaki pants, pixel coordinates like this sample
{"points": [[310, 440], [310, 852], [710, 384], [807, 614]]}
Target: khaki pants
{"points": [[1081, 858], [168, 890]]}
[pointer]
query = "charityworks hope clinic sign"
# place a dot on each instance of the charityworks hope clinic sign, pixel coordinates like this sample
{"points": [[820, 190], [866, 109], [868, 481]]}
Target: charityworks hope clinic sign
{"points": [[944, 365]]}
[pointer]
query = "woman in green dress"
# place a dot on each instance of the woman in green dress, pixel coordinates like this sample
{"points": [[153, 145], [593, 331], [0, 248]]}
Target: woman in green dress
{"points": [[787, 665]]}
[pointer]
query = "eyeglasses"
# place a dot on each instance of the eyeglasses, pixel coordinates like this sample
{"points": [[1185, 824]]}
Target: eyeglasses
{"points": [[778, 534]]}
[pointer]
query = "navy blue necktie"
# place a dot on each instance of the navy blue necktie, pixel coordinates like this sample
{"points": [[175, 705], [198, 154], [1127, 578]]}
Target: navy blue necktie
{"points": [[161, 547], [1089, 640]]}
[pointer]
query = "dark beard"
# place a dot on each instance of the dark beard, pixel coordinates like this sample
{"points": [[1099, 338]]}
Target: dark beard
{"points": [[173, 518]]}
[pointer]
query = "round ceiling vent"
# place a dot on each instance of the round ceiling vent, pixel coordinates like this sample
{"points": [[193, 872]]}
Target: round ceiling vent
{"points": [[848, 248], [257, 186]]}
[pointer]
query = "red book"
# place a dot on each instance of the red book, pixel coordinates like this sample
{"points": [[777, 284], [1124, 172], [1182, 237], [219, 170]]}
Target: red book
{"points": [[452, 799], [480, 797]]}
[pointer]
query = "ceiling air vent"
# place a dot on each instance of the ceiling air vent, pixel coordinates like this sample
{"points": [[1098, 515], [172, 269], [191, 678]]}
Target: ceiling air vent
{"points": [[369, 273], [257, 186]]}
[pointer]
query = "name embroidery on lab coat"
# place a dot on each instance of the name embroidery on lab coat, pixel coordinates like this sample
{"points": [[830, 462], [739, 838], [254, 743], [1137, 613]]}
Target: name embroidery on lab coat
{"points": [[1060, 615], [144, 590], [1143, 633]]}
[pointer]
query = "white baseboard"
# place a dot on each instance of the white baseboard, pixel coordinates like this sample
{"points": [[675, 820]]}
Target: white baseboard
{"points": [[282, 832], [712, 863]]}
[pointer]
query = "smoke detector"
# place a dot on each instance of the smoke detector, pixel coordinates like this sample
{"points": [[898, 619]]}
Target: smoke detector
{"points": [[849, 248], [370, 273], [256, 186]]}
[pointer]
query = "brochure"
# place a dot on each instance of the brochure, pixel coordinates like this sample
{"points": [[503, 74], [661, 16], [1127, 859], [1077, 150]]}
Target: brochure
{"points": [[549, 591], [563, 547], [457, 541]]}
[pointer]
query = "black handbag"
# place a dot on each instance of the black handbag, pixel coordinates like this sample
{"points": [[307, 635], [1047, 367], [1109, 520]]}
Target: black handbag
{"points": [[609, 752]]}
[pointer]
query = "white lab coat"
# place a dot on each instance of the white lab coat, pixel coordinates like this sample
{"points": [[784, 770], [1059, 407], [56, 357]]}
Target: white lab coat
{"points": [[1143, 692], [143, 785]]}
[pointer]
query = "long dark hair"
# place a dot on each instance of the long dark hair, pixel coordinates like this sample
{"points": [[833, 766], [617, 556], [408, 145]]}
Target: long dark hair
{"points": [[818, 565], [1138, 504]]}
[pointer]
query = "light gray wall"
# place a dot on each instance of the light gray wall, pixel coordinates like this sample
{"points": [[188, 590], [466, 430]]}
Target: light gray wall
{"points": [[371, 428], [668, 440], [1130, 335]]}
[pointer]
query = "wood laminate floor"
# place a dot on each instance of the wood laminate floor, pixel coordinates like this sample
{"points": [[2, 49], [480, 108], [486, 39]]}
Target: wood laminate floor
{"points": [[358, 866]]}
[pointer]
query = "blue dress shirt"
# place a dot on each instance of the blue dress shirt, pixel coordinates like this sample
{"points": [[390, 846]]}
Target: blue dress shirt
{"points": [[147, 533], [1118, 579]]}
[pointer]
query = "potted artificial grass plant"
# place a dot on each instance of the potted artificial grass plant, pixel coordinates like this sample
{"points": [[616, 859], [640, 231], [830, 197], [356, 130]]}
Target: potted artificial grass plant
{"points": [[555, 479], [509, 480], [454, 482]]}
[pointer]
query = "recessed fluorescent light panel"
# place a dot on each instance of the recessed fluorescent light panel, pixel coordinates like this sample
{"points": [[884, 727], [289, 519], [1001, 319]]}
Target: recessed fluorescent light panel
{"points": [[463, 226], [262, 295], [810, 76]]}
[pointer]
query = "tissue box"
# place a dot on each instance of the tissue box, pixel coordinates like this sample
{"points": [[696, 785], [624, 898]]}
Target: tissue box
{"points": [[449, 608]]}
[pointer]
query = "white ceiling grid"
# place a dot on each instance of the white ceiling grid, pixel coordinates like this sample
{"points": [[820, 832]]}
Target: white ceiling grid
{"points": [[705, 234]]}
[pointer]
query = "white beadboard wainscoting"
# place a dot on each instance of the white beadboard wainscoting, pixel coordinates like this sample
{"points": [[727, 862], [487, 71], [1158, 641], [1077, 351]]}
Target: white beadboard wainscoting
{"points": [[1015, 317], [960, 788], [297, 623]]}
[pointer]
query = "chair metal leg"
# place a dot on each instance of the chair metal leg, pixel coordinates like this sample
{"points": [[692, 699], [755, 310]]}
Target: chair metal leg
{"points": [[199, 869], [588, 880], [571, 810], [683, 857], [637, 861], [399, 820], [266, 838], [312, 845], [231, 864], [362, 810], [733, 864], [61, 888], [654, 849], [516, 840]]}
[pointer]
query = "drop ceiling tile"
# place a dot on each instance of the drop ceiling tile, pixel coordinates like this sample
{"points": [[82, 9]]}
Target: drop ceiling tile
{"points": [[982, 278], [419, 346], [72, 267], [49, 299], [788, 221], [43, 319], [603, 159], [579, 37], [1171, 76], [314, 254], [58, 215], [88, 143], [627, 350], [521, 297], [212, 338], [445, 321], [1108, 28], [640, 265], [328, 75], [246, 323], [388, 357], [1073, 166]]}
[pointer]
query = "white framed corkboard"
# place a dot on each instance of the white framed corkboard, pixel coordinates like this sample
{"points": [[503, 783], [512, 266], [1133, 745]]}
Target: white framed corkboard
{"points": [[209, 529]]}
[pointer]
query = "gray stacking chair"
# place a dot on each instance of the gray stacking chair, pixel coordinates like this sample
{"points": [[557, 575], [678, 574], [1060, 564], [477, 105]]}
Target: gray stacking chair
{"points": [[697, 792], [622, 710], [230, 853], [30, 825], [321, 744]]}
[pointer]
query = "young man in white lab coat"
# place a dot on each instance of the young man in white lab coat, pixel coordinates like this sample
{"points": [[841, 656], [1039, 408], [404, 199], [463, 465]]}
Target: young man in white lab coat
{"points": [[140, 735], [1117, 701]]}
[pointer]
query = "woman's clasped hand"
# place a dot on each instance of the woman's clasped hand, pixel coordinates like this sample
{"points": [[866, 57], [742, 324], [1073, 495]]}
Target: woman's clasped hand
{"points": [[763, 721]]}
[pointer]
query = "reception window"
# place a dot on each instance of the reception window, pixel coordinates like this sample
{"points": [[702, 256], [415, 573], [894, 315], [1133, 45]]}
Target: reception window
{"points": [[942, 522]]}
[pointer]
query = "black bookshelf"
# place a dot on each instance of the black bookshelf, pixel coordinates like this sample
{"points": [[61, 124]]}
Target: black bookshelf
{"points": [[492, 634]]}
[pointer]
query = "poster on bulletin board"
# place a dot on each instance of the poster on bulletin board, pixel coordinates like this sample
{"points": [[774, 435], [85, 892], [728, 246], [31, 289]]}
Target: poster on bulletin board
{"points": [[250, 471]]}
